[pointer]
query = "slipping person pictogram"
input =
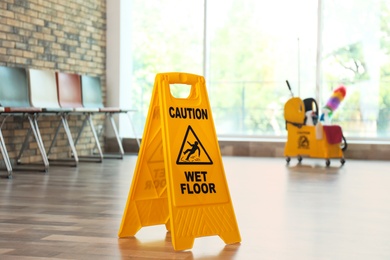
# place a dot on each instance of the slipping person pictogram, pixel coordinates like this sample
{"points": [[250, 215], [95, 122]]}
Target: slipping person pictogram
{"points": [[194, 148]]}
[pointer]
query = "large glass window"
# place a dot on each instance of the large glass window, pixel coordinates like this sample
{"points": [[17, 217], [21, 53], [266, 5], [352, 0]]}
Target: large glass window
{"points": [[167, 36], [254, 47], [356, 45], [248, 49]]}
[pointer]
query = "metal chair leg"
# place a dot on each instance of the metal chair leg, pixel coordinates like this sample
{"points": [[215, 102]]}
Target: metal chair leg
{"points": [[5, 155], [89, 116], [118, 139], [70, 139], [133, 128], [54, 139], [38, 139]]}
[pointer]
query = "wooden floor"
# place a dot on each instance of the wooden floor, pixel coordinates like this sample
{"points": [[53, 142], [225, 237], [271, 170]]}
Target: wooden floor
{"points": [[304, 211]]}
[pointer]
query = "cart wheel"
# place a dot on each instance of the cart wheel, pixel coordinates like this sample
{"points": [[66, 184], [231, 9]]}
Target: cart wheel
{"points": [[342, 161], [327, 162], [288, 159], [299, 158]]}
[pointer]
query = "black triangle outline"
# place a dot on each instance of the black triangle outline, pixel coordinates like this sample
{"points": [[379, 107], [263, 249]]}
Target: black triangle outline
{"points": [[183, 144]]}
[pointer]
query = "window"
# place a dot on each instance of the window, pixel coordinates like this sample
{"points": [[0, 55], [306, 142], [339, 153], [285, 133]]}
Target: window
{"points": [[248, 49], [254, 47], [167, 37], [355, 53]]}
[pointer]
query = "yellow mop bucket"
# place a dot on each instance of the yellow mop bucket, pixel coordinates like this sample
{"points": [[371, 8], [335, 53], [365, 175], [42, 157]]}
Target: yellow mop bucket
{"points": [[314, 140]]}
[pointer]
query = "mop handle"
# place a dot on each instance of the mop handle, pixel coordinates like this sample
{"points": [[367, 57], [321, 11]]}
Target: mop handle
{"points": [[289, 87]]}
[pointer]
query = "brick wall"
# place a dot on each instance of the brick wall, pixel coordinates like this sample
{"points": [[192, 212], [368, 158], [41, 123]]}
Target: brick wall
{"points": [[67, 36]]}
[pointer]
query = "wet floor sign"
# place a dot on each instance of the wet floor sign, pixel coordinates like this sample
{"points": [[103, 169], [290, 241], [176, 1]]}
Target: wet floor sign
{"points": [[179, 179]]}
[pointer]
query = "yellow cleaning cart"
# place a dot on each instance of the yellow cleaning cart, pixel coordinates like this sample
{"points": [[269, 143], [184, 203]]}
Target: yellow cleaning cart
{"points": [[314, 140]]}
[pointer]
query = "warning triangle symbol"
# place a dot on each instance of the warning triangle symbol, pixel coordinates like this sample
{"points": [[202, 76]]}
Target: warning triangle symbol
{"points": [[192, 150]]}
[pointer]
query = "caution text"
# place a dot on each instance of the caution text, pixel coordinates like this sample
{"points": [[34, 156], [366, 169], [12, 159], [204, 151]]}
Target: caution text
{"points": [[188, 113]]}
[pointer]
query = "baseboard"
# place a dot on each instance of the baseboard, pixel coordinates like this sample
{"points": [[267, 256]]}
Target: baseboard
{"points": [[272, 148]]}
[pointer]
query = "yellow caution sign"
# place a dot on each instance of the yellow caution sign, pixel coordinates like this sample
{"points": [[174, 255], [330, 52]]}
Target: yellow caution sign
{"points": [[179, 179]]}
